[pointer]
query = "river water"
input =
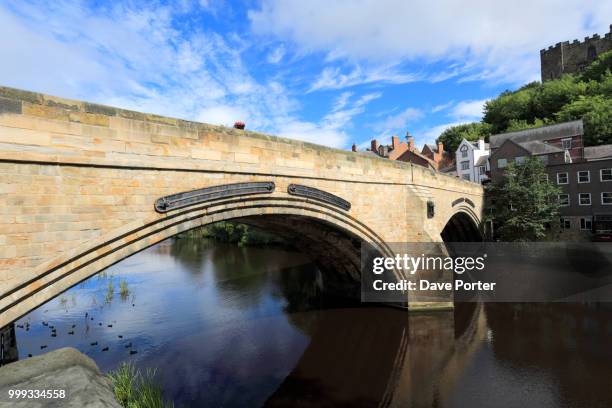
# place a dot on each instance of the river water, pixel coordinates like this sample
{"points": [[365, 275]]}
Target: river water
{"points": [[231, 326]]}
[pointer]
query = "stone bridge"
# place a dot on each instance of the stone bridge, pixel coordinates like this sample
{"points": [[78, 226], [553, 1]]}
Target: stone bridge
{"points": [[83, 186]]}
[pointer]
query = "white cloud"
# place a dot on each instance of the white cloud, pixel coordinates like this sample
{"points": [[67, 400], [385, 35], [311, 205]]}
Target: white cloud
{"points": [[397, 123], [441, 107], [492, 40], [276, 55], [458, 113], [431, 134], [334, 78], [313, 133], [471, 110], [136, 59]]}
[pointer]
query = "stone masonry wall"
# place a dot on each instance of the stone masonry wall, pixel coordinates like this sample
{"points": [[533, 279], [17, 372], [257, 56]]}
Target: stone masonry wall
{"points": [[74, 174]]}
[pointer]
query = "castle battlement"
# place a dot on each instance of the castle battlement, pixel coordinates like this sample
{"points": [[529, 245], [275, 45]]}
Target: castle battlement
{"points": [[565, 57]]}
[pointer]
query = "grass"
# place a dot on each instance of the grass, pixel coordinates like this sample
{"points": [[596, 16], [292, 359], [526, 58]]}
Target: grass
{"points": [[124, 291], [110, 291], [136, 390]]}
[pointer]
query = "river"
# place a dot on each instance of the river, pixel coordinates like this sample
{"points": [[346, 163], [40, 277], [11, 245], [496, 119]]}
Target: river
{"points": [[231, 326]]}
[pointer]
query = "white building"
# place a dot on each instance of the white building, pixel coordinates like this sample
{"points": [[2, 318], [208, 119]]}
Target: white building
{"points": [[472, 160]]}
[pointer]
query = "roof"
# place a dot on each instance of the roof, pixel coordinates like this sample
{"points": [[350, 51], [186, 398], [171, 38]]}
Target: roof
{"points": [[598, 152], [560, 130], [482, 160], [536, 147], [432, 147], [430, 162]]}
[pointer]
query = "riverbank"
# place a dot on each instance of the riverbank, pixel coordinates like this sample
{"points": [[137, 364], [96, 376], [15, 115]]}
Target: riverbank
{"points": [[234, 233]]}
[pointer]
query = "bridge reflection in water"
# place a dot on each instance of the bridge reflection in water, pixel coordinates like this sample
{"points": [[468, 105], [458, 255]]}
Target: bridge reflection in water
{"points": [[381, 357], [248, 326]]}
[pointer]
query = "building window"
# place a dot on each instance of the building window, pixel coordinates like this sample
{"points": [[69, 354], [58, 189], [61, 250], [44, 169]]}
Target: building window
{"points": [[584, 176], [502, 163], [586, 224], [566, 143], [606, 198], [466, 177], [545, 178], [481, 170], [562, 178], [605, 174], [465, 165], [564, 223], [564, 200], [520, 160], [584, 199]]}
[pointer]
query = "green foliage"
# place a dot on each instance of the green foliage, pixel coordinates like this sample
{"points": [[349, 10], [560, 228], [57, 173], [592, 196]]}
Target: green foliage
{"points": [[596, 112], [598, 68], [517, 105], [134, 390], [124, 291], [110, 290], [524, 202], [453, 136], [235, 233], [587, 96], [515, 125]]}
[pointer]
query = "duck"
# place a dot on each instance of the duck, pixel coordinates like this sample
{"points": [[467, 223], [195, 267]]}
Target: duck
{"points": [[95, 343], [71, 332], [105, 349], [133, 352], [120, 336], [44, 346]]}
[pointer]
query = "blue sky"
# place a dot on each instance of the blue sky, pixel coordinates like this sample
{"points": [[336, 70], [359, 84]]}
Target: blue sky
{"points": [[328, 72]]}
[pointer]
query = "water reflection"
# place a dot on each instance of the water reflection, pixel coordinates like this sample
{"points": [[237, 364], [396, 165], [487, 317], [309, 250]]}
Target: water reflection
{"points": [[230, 326]]}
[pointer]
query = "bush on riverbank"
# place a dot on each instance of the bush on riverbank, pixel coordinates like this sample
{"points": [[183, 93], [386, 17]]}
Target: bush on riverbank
{"points": [[136, 390], [234, 233]]}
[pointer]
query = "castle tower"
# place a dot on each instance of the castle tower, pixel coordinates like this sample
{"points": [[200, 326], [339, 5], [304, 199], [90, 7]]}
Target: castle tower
{"points": [[566, 57]]}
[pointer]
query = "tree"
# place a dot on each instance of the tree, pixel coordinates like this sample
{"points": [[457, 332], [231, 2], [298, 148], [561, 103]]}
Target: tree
{"points": [[453, 136], [596, 112], [524, 202], [598, 68]]}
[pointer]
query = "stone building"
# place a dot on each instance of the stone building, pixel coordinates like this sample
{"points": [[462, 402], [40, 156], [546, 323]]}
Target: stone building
{"points": [[584, 174], [566, 57]]}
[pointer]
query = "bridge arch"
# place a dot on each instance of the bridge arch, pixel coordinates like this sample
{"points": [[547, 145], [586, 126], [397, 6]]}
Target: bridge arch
{"points": [[331, 237], [462, 226]]}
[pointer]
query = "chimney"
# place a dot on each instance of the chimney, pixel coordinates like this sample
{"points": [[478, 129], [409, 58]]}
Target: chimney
{"points": [[354, 147], [395, 142], [481, 144], [439, 154], [374, 145]]}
